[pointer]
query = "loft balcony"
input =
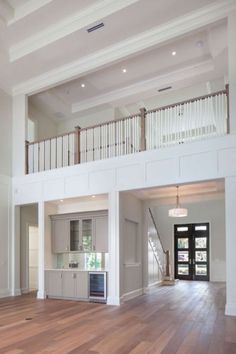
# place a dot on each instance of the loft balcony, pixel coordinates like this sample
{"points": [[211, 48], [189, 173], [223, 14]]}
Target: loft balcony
{"points": [[180, 123]]}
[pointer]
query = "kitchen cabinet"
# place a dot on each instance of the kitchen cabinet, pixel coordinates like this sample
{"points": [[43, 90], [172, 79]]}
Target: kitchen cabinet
{"points": [[60, 236], [53, 283], [81, 285], [67, 284], [81, 232]]}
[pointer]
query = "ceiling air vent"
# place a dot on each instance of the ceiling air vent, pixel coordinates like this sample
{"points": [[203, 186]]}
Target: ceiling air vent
{"points": [[96, 27], [165, 88]]}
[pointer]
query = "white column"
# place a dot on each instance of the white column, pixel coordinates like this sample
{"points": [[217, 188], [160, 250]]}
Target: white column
{"points": [[232, 69], [15, 252], [41, 228], [20, 114], [230, 216], [114, 250]]}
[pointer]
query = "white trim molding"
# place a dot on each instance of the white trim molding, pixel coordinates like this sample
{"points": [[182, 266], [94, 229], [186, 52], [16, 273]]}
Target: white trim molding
{"points": [[5, 293], [89, 15], [26, 9], [131, 295], [125, 48]]}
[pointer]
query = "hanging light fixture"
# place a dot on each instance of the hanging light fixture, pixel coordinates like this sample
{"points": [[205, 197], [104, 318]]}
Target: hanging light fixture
{"points": [[178, 212]]}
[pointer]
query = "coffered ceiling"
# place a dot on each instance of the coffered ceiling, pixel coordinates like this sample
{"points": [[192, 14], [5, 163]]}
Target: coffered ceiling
{"points": [[45, 44]]}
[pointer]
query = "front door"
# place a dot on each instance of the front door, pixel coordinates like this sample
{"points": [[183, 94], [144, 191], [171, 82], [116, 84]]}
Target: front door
{"points": [[192, 251]]}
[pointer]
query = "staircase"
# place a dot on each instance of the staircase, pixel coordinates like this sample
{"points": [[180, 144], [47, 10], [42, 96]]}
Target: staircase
{"points": [[161, 255]]}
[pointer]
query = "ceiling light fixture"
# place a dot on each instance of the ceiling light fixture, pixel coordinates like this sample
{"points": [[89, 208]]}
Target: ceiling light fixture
{"points": [[83, 85], [61, 200], [124, 70], [178, 212], [93, 196], [173, 53]]}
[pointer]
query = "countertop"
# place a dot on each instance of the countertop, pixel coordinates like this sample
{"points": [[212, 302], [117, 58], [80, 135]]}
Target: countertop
{"points": [[77, 270]]}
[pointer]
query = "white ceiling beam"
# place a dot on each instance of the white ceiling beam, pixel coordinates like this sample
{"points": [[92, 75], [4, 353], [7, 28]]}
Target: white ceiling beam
{"points": [[82, 19], [114, 53], [144, 86], [26, 9]]}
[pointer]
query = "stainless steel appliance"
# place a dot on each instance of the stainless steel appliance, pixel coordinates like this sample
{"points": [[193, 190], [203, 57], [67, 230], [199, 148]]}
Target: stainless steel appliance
{"points": [[98, 286]]}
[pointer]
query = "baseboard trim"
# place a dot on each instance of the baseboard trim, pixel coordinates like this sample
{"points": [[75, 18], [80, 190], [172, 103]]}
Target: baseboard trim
{"points": [[131, 295], [5, 293], [230, 309], [41, 295], [25, 291], [150, 286], [16, 292]]}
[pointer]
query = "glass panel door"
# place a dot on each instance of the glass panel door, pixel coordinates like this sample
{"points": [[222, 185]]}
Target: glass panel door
{"points": [[192, 251], [74, 235], [182, 252], [87, 235]]}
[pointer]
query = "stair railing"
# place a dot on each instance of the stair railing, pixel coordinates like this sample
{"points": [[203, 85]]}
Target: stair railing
{"points": [[162, 256]]}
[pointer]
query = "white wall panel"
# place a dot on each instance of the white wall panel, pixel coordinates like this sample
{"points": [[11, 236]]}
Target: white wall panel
{"points": [[51, 188], [199, 166], [130, 176], [102, 181], [76, 185], [162, 171], [227, 162]]}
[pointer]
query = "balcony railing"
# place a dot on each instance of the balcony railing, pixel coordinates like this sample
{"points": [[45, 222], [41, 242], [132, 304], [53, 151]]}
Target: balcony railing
{"points": [[179, 123]]}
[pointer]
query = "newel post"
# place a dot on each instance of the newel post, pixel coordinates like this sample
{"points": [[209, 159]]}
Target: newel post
{"points": [[227, 98], [143, 133], [77, 145], [26, 157]]}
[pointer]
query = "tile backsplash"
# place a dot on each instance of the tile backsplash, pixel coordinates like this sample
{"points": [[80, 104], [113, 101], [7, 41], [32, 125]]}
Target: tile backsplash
{"points": [[84, 260]]}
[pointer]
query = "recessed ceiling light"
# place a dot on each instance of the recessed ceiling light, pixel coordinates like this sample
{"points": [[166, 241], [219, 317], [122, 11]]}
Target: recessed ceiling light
{"points": [[124, 70], [61, 200], [83, 85], [200, 43], [173, 53], [93, 196]]}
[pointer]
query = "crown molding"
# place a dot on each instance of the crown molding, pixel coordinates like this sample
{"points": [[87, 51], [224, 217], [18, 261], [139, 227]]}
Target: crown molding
{"points": [[26, 9], [146, 85], [125, 48], [91, 14]]}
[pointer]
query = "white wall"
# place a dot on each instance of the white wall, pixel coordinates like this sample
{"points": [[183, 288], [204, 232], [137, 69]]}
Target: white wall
{"points": [[45, 126], [212, 211], [5, 191], [28, 216], [5, 134], [131, 222]]}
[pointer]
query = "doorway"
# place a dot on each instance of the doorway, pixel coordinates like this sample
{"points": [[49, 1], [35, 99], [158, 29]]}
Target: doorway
{"points": [[33, 257], [192, 251]]}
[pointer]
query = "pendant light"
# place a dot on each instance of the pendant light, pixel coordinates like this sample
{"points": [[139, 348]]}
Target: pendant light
{"points": [[178, 212]]}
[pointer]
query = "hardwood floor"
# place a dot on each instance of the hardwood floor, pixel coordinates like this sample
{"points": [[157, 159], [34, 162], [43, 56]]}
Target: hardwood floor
{"points": [[187, 318]]}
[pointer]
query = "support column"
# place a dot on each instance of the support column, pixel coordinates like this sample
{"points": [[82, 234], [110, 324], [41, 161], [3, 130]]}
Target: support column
{"points": [[230, 215], [41, 229], [232, 69], [114, 250], [15, 254], [20, 115]]}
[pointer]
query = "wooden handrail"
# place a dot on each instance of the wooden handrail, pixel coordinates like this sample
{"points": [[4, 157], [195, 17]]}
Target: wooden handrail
{"points": [[110, 121], [188, 101], [52, 137], [154, 223]]}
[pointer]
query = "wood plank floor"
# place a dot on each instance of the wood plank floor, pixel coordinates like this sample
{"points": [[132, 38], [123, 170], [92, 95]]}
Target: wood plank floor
{"points": [[187, 318]]}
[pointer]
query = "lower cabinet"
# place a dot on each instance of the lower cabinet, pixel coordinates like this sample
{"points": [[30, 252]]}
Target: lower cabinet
{"points": [[67, 284]]}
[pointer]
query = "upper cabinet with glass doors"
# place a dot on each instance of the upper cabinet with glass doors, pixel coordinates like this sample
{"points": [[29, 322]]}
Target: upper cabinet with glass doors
{"points": [[86, 232]]}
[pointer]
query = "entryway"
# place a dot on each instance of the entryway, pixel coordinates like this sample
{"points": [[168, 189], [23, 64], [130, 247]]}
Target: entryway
{"points": [[192, 251]]}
